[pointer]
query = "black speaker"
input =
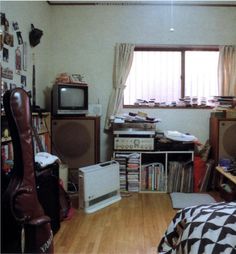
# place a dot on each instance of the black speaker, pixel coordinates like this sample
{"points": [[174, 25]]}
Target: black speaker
{"points": [[223, 138], [75, 140], [227, 139]]}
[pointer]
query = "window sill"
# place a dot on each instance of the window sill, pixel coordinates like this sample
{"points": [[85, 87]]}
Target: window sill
{"points": [[167, 107]]}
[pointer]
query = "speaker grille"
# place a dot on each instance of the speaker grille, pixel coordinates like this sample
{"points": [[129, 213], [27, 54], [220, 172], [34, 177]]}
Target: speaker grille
{"points": [[73, 140], [227, 139]]}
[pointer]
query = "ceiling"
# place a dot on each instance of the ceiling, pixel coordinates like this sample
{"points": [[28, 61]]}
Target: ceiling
{"points": [[143, 2]]}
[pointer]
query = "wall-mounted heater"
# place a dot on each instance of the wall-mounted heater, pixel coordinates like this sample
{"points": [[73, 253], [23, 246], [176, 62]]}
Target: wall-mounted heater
{"points": [[99, 186]]}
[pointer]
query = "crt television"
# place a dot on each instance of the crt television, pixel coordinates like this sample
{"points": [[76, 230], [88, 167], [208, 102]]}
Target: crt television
{"points": [[70, 99]]}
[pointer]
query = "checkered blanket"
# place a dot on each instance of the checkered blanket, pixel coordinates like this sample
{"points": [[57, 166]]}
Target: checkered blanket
{"points": [[208, 229]]}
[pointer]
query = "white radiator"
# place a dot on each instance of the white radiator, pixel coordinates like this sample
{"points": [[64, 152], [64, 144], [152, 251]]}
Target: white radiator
{"points": [[99, 186]]}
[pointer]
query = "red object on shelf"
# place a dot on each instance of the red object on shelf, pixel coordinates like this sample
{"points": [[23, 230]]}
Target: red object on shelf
{"points": [[199, 172]]}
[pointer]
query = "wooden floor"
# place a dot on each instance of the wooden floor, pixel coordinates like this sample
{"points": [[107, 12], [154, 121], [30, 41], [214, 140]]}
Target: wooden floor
{"points": [[133, 225]]}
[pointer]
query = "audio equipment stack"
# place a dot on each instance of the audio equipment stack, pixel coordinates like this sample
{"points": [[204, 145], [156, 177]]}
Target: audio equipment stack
{"points": [[134, 136]]}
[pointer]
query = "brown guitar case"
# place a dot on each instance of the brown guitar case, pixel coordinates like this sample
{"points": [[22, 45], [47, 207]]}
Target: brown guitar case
{"points": [[25, 227]]}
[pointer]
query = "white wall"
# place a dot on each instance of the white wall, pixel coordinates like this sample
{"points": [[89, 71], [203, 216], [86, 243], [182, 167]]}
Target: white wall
{"points": [[83, 38]]}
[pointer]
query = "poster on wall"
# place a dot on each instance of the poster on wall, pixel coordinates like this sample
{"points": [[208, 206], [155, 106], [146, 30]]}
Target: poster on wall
{"points": [[1, 41], [15, 25], [18, 60], [8, 39], [23, 81], [24, 56], [19, 38], [7, 73], [5, 54], [13, 54]]}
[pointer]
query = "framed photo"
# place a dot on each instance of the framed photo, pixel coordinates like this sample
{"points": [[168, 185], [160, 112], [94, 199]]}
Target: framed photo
{"points": [[24, 56], [12, 86], [23, 80], [8, 39], [5, 55], [76, 78], [18, 60]]}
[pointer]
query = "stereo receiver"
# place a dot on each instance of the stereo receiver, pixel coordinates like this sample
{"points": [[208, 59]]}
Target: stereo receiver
{"points": [[134, 136], [133, 143]]}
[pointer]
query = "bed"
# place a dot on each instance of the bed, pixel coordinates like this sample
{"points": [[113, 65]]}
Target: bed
{"points": [[209, 229]]}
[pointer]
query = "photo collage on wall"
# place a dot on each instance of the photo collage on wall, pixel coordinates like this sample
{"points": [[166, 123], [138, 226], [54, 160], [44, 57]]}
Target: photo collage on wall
{"points": [[13, 56]]}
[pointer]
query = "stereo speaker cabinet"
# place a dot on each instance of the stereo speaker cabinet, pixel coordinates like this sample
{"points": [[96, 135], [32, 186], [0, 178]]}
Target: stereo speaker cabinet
{"points": [[222, 138], [76, 140]]}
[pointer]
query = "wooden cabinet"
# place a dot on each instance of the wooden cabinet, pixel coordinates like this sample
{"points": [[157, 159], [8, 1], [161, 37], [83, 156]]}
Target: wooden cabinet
{"points": [[41, 123], [160, 171], [76, 140]]}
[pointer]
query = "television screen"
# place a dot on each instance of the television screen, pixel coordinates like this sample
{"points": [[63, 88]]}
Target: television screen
{"points": [[71, 97]]}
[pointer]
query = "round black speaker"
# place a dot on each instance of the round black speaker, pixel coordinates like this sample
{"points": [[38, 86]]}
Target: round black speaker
{"points": [[73, 141]]}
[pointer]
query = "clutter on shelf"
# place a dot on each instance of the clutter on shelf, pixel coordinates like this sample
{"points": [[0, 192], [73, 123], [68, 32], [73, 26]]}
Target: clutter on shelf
{"points": [[66, 78], [178, 136], [194, 101], [134, 117]]}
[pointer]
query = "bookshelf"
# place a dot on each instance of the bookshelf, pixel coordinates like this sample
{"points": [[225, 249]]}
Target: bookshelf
{"points": [[42, 124], [155, 171]]}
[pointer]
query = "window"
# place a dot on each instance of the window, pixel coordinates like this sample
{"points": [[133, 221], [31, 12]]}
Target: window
{"points": [[167, 75]]}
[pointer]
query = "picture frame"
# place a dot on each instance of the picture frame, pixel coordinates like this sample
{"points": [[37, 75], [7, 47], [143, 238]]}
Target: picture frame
{"points": [[76, 78]]}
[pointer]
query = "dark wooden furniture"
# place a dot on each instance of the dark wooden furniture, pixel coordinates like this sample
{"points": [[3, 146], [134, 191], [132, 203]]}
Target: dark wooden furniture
{"points": [[222, 138], [76, 140]]}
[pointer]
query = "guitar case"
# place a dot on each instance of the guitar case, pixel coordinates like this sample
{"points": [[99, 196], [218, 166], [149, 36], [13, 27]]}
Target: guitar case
{"points": [[25, 227]]}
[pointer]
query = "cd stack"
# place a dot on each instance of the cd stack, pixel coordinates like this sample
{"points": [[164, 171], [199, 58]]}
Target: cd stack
{"points": [[122, 161], [133, 172]]}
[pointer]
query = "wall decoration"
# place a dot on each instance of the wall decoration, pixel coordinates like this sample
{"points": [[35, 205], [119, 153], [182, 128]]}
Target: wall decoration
{"points": [[5, 55], [4, 21], [24, 56], [19, 38], [18, 60], [15, 26], [8, 39], [23, 80], [4, 87], [7, 73], [12, 86], [76, 78], [1, 41], [3, 17], [13, 54]]}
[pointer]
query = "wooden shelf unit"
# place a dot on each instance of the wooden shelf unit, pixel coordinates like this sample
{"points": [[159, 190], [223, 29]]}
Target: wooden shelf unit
{"points": [[134, 176], [43, 127], [228, 175]]}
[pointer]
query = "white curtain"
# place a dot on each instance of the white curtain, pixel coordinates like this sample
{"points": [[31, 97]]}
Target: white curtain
{"points": [[227, 71], [122, 65]]}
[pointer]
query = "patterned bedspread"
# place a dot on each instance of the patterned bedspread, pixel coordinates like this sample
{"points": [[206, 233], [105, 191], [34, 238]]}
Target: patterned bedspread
{"points": [[208, 229]]}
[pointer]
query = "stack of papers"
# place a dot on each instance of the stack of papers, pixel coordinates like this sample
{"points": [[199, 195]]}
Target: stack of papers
{"points": [[178, 136]]}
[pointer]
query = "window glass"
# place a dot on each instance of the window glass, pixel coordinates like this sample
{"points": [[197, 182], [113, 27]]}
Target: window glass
{"points": [[201, 73], [157, 75]]}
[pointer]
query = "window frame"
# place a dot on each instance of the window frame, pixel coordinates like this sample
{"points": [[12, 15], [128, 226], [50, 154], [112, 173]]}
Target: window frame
{"points": [[182, 50]]}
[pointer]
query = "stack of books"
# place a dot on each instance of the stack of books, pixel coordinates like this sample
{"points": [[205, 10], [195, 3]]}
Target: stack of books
{"points": [[133, 165], [122, 162], [153, 177], [180, 177], [225, 101]]}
